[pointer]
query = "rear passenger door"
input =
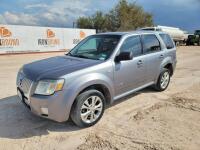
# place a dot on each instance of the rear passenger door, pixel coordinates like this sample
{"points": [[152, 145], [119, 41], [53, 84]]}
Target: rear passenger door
{"points": [[153, 56], [130, 74]]}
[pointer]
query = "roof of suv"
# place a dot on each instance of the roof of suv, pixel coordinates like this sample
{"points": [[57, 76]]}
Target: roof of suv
{"points": [[130, 32]]}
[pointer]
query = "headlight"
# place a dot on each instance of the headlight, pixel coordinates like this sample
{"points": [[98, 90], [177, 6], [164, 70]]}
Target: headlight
{"points": [[48, 87]]}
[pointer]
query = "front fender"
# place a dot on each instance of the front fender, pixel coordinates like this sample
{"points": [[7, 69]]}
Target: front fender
{"points": [[90, 79], [80, 83]]}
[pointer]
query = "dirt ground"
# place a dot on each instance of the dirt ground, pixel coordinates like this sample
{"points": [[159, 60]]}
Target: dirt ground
{"points": [[146, 120]]}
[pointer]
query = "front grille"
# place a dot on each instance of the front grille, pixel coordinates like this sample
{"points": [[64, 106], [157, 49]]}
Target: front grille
{"points": [[23, 83]]}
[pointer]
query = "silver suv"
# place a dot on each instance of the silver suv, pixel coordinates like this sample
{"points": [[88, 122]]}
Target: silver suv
{"points": [[98, 71]]}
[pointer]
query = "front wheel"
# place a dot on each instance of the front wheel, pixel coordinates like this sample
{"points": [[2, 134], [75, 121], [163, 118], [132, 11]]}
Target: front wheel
{"points": [[88, 108], [163, 80]]}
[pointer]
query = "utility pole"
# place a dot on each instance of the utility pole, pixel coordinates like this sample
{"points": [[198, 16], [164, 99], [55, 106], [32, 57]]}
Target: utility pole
{"points": [[74, 24]]}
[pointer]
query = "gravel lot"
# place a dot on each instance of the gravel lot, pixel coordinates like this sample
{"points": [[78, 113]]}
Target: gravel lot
{"points": [[146, 120]]}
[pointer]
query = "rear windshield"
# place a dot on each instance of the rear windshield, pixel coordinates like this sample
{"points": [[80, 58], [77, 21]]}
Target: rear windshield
{"points": [[167, 40]]}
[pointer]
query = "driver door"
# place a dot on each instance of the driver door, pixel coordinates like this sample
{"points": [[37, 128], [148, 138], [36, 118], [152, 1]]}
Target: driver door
{"points": [[130, 74]]}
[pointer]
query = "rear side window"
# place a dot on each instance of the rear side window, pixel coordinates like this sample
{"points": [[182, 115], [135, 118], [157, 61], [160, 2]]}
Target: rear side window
{"points": [[132, 44], [150, 43], [167, 40]]}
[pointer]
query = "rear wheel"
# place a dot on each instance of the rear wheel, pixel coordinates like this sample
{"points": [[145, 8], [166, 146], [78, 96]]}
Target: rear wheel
{"points": [[163, 80], [88, 108], [188, 43]]}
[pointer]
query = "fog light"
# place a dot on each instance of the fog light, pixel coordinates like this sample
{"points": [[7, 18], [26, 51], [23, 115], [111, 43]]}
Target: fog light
{"points": [[44, 111]]}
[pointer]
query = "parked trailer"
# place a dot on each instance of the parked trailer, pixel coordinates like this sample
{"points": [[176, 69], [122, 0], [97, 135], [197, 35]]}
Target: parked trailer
{"points": [[177, 34]]}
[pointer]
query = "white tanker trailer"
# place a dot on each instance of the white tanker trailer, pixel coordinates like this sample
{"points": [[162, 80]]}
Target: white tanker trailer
{"points": [[177, 34]]}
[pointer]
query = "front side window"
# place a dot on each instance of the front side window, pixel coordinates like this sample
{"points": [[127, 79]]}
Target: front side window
{"points": [[167, 40], [150, 43], [132, 44], [98, 47]]}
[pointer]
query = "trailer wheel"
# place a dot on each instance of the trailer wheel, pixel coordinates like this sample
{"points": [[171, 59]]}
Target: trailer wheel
{"points": [[177, 44]]}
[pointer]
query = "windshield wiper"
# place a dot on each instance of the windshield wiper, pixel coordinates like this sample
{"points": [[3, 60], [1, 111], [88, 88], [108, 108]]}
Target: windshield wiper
{"points": [[69, 54], [80, 56]]}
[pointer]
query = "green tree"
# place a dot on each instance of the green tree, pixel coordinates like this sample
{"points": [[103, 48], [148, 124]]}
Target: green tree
{"points": [[130, 16], [123, 17], [84, 22], [97, 21], [112, 22]]}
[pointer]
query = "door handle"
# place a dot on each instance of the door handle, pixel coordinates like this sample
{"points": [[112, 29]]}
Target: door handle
{"points": [[161, 56], [139, 62]]}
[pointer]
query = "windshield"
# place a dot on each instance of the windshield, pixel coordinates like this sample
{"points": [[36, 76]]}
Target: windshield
{"points": [[98, 47]]}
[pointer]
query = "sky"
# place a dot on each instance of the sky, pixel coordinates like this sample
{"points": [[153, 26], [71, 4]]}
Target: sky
{"points": [[184, 14]]}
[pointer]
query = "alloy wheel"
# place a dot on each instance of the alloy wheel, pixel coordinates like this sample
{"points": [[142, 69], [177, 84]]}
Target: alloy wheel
{"points": [[91, 109], [164, 80]]}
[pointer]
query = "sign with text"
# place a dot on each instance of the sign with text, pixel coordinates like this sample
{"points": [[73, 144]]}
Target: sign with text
{"points": [[15, 38], [7, 40]]}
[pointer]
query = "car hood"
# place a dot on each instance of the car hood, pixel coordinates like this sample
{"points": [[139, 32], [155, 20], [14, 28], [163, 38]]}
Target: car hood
{"points": [[55, 67]]}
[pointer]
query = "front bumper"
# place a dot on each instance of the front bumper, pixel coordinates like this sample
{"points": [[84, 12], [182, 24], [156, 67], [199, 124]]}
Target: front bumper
{"points": [[50, 107]]}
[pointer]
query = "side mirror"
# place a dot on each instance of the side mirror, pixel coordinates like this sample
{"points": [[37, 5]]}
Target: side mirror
{"points": [[123, 56]]}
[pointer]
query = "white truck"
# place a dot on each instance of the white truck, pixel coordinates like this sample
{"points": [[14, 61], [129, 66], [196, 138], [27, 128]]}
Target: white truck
{"points": [[177, 34]]}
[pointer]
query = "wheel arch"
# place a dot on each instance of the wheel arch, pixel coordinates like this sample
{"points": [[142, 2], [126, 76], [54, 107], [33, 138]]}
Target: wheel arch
{"points": [[96, 81], [169, 66], [101, 88]]}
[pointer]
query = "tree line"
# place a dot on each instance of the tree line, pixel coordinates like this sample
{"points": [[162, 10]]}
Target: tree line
{"points": [[124, 16]]}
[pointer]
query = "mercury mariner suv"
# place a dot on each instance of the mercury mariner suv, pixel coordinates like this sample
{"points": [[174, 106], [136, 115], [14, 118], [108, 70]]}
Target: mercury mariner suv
{"points": [[101, 69]]}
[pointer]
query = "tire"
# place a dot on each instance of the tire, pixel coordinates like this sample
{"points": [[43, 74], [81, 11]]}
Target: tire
{"points": [[160, 85], [177, 44], [83, 109], [188, 44]]}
